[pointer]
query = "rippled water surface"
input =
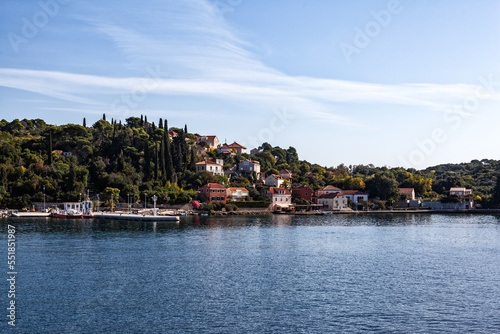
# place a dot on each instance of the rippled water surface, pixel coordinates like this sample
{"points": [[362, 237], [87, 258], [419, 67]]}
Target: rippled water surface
{"points": [[268, 274]]}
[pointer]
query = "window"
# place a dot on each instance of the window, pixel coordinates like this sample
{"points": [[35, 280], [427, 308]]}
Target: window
{"points": [[213, 198], [213, 190], [218, 198], [222, 198], [306, 193]]}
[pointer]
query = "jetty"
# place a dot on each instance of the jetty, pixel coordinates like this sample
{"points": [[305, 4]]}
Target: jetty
{"points": [[135, 217]]}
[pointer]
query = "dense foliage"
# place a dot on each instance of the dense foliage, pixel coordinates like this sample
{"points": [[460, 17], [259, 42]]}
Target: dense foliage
{"points": [[138, 157]]}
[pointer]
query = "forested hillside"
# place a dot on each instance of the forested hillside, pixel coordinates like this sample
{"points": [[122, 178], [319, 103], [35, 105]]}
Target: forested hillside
{"points": [[139, 157]]}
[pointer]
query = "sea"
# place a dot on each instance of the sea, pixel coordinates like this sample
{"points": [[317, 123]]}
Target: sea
{"points": [[400, 273]]}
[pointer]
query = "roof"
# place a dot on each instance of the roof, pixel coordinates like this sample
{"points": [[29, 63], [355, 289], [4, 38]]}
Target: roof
{"points": [[458, 189], [236, 189], [208, 163], [214, 185], [236, 145], [250, 160], [352, 192], [406, 190], [276, 176], [331, 188], [330, 195], [301, 186], [275, 190], [208, 137], [285, 171]]}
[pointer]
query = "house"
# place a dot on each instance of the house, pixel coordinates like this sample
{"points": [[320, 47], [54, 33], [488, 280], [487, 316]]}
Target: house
{"points": [[237, 194], [67, 154], [280, 198], [461, 191], [172, 134], [274, 180], [355, 196], [214, 168], [333, 201], [328, 190], [249, 166], [304, 192], [234, 147], [409, 192], [286, 174], [212, 141], [254, 151], [213, 192]]}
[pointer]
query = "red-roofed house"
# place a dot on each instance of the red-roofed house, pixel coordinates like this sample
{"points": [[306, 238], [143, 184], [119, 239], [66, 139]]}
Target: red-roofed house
{"points": [[172, 134], [333, 201], [280, 198], [237, 194], [213, 168], [286, 174], [328, 190], [213, 192], [274, 180], [409, 192], [212, 141], [304, 192], [234, 147]]}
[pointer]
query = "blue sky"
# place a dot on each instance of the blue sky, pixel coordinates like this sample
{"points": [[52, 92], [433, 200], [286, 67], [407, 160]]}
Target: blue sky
{"points": [[396, 83]]}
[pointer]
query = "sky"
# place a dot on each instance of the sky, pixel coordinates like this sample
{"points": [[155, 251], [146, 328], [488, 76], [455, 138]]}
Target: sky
{"points": [[391, 83]]}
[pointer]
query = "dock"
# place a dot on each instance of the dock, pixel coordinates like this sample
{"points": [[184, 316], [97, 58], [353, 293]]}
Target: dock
{"points": [[136, 217], [31, 214]]}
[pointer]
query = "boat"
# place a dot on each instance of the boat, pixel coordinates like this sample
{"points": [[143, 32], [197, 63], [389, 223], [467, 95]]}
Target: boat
{"points": [[75, 210]]}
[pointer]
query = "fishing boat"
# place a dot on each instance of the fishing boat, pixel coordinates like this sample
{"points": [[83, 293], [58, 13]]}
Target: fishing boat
{"points": [[75, 210]]}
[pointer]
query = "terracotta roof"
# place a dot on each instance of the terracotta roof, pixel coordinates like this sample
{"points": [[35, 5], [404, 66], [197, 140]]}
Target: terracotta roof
{"points": [[301, 186], [330, 195], [207, 163], [277, 176], [285, 171], [352, 192], [236, 145], [406, 190], [331, 188], [275, 190], [214, 185], [236, 189]]}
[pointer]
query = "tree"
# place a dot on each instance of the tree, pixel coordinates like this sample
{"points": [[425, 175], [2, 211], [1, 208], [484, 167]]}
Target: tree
{"points": [[169, 167], [84, 122], [49, 148], [382, 185], [103, 117]]}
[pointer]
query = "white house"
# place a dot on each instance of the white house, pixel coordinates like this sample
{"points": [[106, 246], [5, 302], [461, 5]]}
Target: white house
{"points": [[237, 194], [213, 168], [333, 201], [280, 198], [249, 166], [355, 196], [212, 141], [286, 174], [461, 191], [274, 180]]}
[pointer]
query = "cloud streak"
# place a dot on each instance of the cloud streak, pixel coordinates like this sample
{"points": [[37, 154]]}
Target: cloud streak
{"points": [[205, 58]]}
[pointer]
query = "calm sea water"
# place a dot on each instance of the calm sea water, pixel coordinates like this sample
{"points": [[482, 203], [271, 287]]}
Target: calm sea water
{"points": [[279, 274]]}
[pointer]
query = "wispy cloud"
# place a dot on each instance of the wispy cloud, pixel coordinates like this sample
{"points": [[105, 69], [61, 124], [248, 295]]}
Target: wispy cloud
{"points": [[204, 57]]}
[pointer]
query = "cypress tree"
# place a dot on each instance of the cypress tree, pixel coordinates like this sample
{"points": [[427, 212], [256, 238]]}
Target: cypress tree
{"points": [[147, 161], [192, 161], [160, 124], [142, 121], [49, 148], [169, 169], [84, 122], [156, 162], [104, 116], [185, 129]]}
